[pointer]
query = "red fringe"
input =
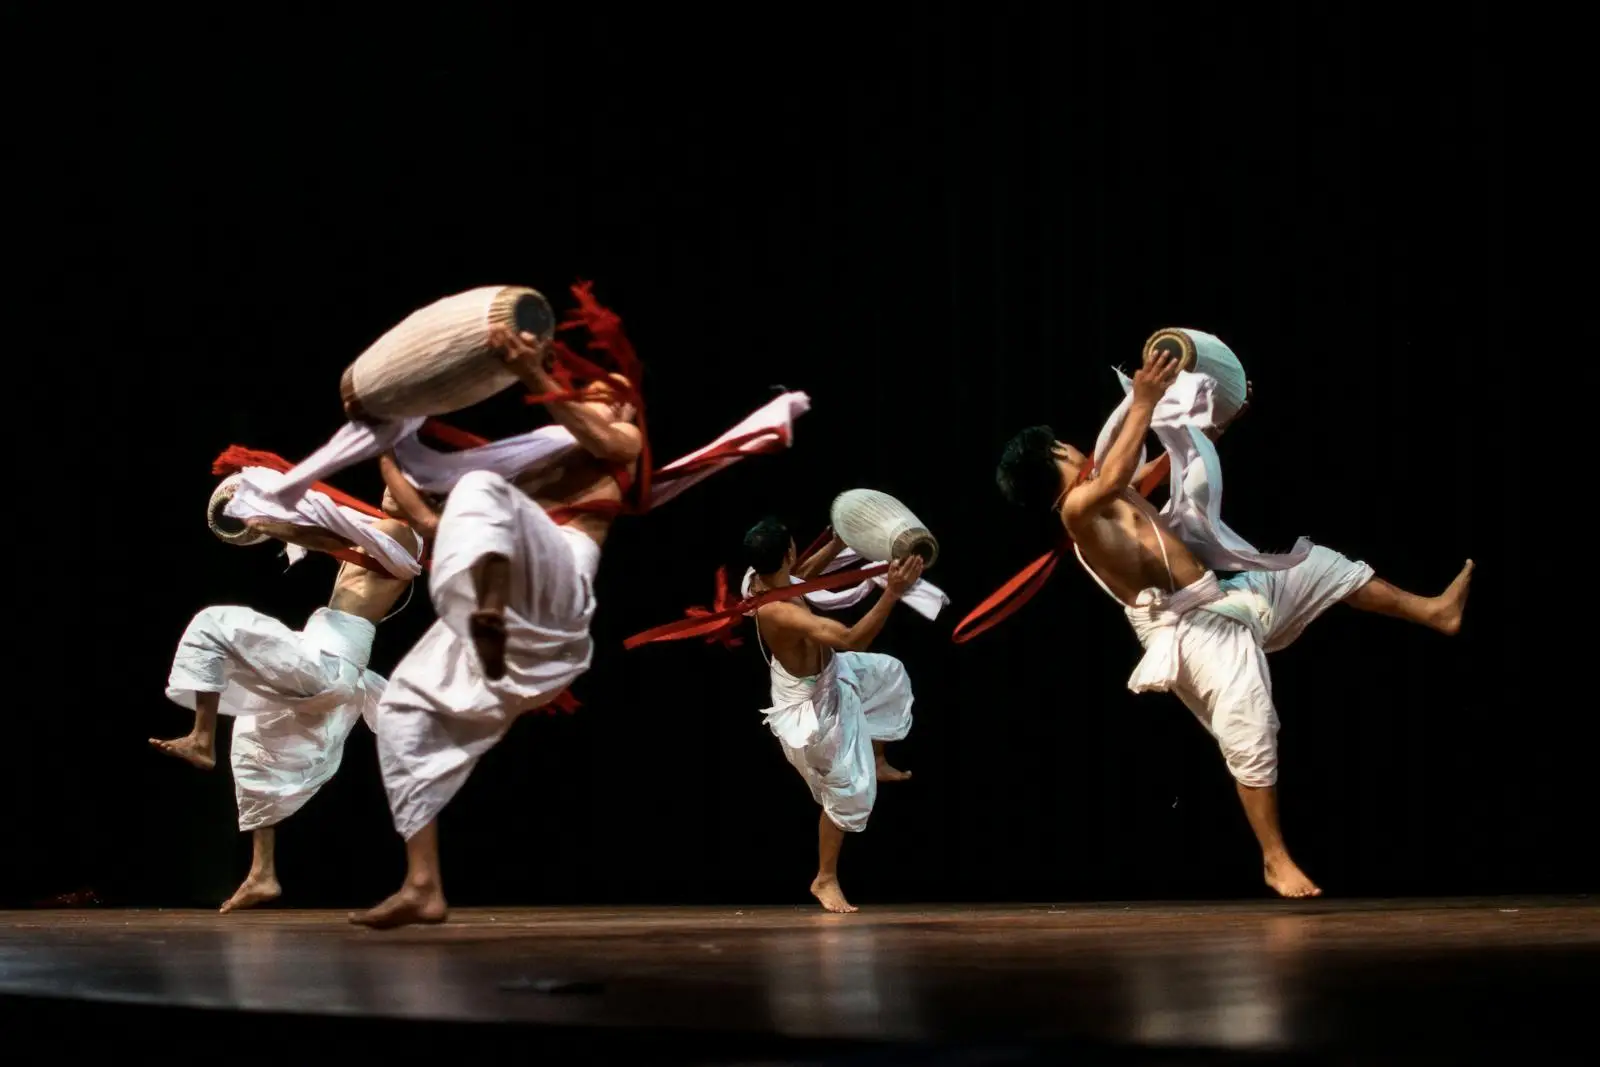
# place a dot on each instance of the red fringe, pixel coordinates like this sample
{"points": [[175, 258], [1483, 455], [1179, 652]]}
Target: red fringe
{"points": [[604, 327], [564, 703]]}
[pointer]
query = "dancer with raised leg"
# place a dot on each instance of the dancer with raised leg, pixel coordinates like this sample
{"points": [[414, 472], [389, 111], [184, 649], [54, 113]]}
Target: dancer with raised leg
{"points": [[834, 704], [294, 695], [1205, 639]]}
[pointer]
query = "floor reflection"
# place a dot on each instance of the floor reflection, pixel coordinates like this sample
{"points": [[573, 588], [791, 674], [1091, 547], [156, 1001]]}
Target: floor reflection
{"points": [[837, 978]]}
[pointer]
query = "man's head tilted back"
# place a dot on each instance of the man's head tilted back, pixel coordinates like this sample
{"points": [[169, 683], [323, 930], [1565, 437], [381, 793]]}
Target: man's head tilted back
{"points": [[1035, 468]]}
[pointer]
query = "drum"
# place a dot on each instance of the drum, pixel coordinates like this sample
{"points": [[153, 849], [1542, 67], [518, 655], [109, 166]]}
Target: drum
{"points": [[437, 360], [1202, 353], [880, 528], [229, 530]]}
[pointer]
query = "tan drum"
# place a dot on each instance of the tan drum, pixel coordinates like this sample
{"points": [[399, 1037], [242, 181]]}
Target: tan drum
{"points": [[228, 529], [437, 360], [1203, 353], [880, 528]]}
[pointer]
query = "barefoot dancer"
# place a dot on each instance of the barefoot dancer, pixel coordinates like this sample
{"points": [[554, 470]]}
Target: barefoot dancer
{"points": [[514, 589], [834, 705], [295, 696], [1205, 640]]}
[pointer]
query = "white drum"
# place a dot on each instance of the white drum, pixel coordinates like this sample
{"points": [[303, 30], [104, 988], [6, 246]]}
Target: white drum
{"points": [[880, 528], [437, 360], [228, 529], [1204, 353]]}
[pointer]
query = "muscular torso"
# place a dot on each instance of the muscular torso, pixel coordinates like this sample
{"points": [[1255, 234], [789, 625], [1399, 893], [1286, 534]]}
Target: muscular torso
{"points": [[367, 593], [797, 653], [582, 479], [1123, 545]]}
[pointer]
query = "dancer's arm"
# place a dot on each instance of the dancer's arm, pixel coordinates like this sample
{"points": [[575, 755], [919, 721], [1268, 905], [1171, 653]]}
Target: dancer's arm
{"points": [[818, 561], [591, 422], [413, 509], [831, 633], [1150, 382]]}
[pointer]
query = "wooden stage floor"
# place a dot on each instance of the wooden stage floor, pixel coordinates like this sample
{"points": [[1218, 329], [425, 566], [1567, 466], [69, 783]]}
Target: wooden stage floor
{"points": [[1326, 979]]}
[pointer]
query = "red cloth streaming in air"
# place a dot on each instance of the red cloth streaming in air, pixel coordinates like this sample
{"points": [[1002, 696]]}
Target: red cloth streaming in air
{"points": [[717, 623], [1009, 598]]}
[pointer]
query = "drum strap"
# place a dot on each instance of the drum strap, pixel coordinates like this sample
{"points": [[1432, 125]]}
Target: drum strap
{"points": [[1009, 598]]}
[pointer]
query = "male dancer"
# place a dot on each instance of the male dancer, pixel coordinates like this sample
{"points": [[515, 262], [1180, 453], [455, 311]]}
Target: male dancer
{"points": [[295, 695], [1205, 640], [834, 705], [513, 584]]}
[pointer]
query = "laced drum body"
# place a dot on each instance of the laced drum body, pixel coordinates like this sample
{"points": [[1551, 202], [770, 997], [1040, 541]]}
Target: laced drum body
{"points": [[437, 360], [880, 528]]}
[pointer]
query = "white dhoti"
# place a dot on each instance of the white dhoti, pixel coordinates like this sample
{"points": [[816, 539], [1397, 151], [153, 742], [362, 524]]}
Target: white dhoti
{"points": [[1208, 644], [295, 697], [439, 714], [826, 725]]}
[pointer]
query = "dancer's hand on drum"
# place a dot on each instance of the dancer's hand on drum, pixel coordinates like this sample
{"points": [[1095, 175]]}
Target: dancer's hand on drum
{"points": [[902, 575], [519, 349], [1151, 381]]}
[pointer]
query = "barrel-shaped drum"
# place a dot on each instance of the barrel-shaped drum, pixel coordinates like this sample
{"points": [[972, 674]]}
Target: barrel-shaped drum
{"points": [[880, 528], [438, 360], [228, 529], [1204, 353]]}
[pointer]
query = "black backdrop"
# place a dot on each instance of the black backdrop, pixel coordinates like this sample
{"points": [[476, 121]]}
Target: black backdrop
{"points": [[944, 223]]}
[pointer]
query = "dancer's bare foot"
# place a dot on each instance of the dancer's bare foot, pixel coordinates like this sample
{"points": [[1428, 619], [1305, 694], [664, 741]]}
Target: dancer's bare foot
{"points": [[827, 891], [257, 889], [1452, 603], [488, 629], [1288, 880], [199, 751], [413, 904], [887, 773]]}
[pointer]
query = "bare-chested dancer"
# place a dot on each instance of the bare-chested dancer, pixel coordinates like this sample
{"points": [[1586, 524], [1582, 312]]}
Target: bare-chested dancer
{"points": [[295, 695], [1205, 640], [834, 704], [512, 582]]}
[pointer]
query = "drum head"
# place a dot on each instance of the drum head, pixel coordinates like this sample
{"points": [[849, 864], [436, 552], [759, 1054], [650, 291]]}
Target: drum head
{"points": [[533, 314], [227, 528], [226, 525], [1173, 343]]}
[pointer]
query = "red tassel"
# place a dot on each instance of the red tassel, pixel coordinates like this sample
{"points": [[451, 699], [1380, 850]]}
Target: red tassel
{"points": [[565, 703], [237, 457], [723, 633], [572, 370]]}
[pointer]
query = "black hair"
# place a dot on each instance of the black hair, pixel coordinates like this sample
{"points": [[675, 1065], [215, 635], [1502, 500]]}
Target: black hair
{"points": [[766, 544], [1028, 474]]}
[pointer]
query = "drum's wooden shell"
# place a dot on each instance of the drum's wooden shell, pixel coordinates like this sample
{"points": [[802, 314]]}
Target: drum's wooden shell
{"points": [[1204, 353], [880, 528], [437, 360], [229, 530]]}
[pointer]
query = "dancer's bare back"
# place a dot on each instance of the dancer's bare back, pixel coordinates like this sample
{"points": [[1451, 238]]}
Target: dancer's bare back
{"points": [[370, 594], [357, 590], [582, 479], [1122, 540], [786, 628]]}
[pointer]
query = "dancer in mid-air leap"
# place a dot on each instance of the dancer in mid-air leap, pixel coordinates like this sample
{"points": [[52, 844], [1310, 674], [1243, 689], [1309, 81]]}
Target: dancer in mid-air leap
{"points": [[1205, 639]]}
